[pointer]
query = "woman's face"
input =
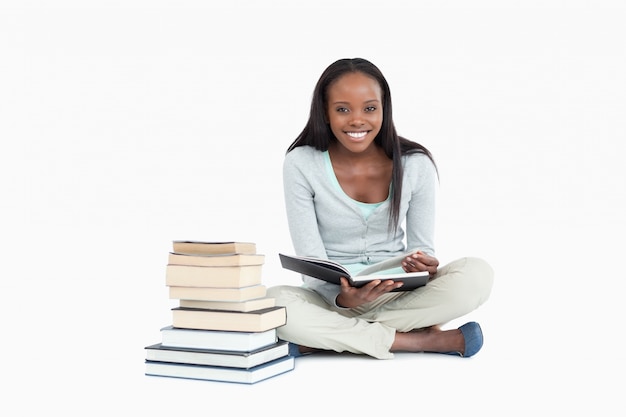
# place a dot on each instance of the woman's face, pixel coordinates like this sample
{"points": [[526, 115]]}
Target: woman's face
{"points": [[355, 111]]}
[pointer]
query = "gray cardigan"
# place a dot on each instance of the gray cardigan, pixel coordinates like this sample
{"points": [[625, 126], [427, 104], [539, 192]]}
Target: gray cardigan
{"points": [[324, 222]]}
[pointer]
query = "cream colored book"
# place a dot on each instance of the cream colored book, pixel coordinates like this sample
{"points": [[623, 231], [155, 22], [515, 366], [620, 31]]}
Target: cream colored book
{"points": [[237, 321], [218, 294]]}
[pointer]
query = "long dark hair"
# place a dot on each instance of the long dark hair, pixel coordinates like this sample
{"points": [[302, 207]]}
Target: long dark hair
{"points": [[317, 132]]}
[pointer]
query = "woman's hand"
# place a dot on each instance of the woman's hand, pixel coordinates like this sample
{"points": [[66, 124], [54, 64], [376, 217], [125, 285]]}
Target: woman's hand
{"points": [[419, 261], [351, 297]]}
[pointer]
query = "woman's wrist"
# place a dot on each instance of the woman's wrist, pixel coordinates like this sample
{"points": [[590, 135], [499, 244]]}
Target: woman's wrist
{"points": [[342, 303]]}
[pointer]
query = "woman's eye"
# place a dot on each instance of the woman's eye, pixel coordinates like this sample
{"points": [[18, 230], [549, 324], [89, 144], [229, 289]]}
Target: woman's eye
{"points": [[342, 110], [370, 109]]}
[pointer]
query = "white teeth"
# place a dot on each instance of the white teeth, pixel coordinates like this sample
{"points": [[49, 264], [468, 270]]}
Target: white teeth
{"points": [[356, 135]]}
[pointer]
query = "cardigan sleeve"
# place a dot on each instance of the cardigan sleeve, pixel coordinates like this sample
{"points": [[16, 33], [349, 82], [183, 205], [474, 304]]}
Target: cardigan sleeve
{"points": [[302, 220], [421, 177]]}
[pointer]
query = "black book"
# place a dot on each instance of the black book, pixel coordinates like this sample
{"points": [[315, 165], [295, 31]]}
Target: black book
{"points": [[331, 271]]}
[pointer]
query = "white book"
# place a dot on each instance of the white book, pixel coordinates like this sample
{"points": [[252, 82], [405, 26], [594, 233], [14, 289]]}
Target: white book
{"points": [[221, 373], [216, 339], [212, 357]]}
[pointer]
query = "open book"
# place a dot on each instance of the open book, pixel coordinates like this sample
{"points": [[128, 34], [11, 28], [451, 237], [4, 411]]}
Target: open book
{"points": [[331, 271]]}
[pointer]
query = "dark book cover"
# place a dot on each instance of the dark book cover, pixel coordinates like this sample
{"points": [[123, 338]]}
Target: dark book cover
{"points": [[332, 272]]}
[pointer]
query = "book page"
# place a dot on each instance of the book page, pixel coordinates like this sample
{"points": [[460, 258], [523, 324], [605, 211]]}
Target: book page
{"points": [[391, 263], [393, 276]]}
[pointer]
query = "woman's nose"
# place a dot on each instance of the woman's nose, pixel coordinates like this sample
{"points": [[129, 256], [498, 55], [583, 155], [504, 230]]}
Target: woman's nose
{"points": [[357, 119]]}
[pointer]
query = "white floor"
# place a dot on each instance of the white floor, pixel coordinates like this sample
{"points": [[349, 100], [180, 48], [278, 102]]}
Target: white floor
{"points": [[537, 360], [125, 125]]}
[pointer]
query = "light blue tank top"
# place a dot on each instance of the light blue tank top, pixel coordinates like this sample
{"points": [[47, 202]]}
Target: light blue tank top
{"points": [[366, 210]]}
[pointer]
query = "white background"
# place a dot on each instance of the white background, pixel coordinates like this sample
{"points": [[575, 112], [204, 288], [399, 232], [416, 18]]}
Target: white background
{"points": [[127, 124]]}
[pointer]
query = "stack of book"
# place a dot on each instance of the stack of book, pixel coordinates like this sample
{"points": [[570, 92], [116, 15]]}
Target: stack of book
{"points": [[224, 327]]}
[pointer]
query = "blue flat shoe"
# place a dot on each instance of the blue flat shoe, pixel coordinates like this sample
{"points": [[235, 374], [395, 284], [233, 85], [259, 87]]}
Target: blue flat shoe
{"points": [[473, 336], [294, 350]]}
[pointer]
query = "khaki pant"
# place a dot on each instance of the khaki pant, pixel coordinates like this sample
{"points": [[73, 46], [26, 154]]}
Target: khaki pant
{"points": [[457, 289]]}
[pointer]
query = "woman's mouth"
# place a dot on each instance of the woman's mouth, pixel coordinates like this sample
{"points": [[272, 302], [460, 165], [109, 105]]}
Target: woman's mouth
{"points": [[356, 135]]}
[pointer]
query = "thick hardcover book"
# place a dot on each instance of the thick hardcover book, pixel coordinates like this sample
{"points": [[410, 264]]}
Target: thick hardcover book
{"points": [[212, 276], [252, 321], [221, 373], [331, 271], [212, 357], [217, 339], [200, 247], [218, 294]]}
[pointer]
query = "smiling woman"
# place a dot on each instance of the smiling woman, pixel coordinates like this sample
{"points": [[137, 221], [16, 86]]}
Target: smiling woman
{"points": [[355, 109], [357, 193], [355, 117]]}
